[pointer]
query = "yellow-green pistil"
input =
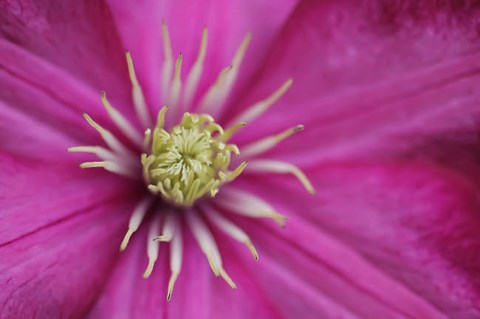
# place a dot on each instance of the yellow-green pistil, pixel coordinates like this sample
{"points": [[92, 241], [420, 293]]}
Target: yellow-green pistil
{"points": [[189, 161]]}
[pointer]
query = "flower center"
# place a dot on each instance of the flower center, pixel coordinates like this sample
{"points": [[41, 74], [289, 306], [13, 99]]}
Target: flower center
{"points": [[190, 161]]}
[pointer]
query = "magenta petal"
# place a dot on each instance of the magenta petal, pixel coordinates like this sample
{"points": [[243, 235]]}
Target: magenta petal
{"points": [[228, 22], [373, 79], [46, 274], [38, 97], [51, 217], [35, 195], [416, 224], [76, 36]]}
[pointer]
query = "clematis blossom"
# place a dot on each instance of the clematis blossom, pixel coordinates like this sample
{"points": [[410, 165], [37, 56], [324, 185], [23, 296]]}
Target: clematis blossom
{"points": [[388, 95]]}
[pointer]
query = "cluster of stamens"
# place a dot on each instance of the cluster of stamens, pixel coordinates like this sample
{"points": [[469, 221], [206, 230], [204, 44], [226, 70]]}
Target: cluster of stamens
{"points": [[190, 161]]}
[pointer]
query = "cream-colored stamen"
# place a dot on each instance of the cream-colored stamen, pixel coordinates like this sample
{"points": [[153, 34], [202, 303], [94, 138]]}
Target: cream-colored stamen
{"points": [[152, 245], [207, 244], [227, 134], [176, 85], [196, 70], [169, 227], [109, 138], [246, 204], [138, 98], [189, 161], [136, 219], [176, 252], [266, 144], [147, 139], [261, 107], [112, 167], [167, 67], [229, 228], [209, 99], [101, 152], [213, 103], [122, 123], [273, 166]]}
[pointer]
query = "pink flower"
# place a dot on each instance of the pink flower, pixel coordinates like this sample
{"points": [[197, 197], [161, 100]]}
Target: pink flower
{"points": [[387, 91]]}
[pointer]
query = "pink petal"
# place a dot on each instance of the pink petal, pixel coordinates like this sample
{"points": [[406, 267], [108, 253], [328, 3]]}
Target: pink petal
{"points": [[36, 194], [197, 293], [76, 36], [373, 79], [51, 218], [42, 106], [415, 225], [227, 21], [46, 274]]}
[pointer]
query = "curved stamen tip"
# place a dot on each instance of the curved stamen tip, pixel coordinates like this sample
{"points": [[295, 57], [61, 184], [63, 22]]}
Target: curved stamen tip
{"points": [[126, 239], [278, 218], [149, 269], [227, 278], [212, 264], [162, 238], [299, 128], [171, 284], [250, 246]]}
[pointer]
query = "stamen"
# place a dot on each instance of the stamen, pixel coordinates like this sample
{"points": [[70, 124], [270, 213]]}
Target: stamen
{"points": [[152, 245], [189, 161], [122, 123], [214, 103], [196, 70], [167, 62], [210, 98], [229, 228], [268, 143], [261, 107], [147, 139], [109, 138], [176, 84], [273, 166], [101, 152], [168, 227], [137, 95], [136, 219], [207, 244], [161, 117], [246, 204], [227, 134], [112, 167], [230, 176], [176, 251]]}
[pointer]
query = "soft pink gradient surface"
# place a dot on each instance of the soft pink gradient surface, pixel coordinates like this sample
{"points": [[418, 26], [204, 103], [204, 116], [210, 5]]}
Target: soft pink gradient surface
{"points": [[389, 94]]}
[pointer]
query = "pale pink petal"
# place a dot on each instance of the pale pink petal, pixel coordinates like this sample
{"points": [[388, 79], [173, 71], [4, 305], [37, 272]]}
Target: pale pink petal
{"points": [[227, 21], [416, 226], [373, 79], [197, 293]]}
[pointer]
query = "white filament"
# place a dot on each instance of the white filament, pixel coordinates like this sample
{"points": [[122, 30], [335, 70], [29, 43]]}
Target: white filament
{"points": [[273, 166], [152, 245], [137, 95], [246, 204], [229, 228], [136, 219]]}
